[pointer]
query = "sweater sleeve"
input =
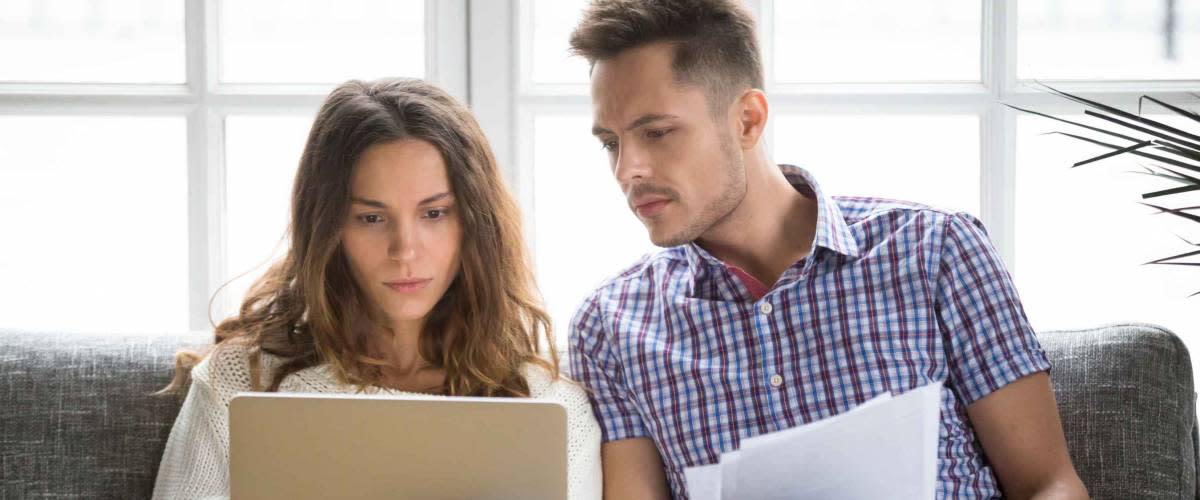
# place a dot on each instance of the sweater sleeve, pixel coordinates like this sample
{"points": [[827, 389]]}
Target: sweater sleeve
{"points": [[195, 463], [584, 473]]}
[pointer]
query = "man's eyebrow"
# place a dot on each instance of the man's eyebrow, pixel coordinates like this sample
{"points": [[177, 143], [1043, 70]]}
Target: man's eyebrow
{"points": [[644, 119]]}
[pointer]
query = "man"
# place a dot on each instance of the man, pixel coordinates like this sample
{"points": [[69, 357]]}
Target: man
{"points": [[774, 304]]}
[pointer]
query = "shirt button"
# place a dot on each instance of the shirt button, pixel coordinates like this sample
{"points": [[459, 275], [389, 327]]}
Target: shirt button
{"points": [[776, 380], [765, 308]]}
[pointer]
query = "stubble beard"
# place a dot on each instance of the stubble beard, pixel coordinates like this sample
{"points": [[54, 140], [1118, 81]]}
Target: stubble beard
{"points": [[721, 208]]}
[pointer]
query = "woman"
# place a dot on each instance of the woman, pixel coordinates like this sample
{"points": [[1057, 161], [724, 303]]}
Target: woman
{"points": [[406, 274]]}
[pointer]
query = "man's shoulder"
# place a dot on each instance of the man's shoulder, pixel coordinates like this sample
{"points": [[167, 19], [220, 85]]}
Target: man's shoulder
{"points": [[879, 219], [647, 269], [857, 209]]}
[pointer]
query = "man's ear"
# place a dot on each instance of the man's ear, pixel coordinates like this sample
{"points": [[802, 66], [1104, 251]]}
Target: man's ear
{"points": [[750, 110]]}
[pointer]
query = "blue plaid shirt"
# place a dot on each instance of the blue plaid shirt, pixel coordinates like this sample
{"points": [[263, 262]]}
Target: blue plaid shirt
{"points": [[893, 296]]}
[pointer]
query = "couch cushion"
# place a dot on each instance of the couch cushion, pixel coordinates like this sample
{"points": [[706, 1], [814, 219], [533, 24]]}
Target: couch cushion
{"points": [[1126, 399], [77, 419]]}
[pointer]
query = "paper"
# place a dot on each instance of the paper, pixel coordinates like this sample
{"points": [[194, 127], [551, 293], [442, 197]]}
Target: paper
{"points": [[884, 448]]}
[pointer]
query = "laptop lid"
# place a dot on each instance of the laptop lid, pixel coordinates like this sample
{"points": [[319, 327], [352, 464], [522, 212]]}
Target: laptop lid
{"points": [[300, 446]]}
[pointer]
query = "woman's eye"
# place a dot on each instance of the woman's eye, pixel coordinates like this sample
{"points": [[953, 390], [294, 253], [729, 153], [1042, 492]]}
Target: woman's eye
{"points": [[436, 213], [370, 218]]}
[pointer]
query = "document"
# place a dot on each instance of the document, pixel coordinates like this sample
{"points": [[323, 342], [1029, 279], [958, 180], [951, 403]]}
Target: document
{"points": [[884, 448]]}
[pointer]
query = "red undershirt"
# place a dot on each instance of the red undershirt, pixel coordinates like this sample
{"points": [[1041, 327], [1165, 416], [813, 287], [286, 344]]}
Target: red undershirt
{"points": [[757, 288]]}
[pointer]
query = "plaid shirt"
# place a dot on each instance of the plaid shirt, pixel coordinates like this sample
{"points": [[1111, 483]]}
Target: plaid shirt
{"points": [[893, 296]]}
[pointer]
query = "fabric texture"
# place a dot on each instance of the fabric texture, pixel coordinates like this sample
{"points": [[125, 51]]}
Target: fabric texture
{"points": [[77, 418], [1126, 397], [893, 296], [195, 463]]}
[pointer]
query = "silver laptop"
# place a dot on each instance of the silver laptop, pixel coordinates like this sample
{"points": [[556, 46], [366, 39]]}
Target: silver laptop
{"points": [[301, 446]]}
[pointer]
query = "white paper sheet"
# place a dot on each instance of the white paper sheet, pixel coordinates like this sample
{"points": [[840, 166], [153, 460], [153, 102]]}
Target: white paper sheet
{"points": [[884, 448]]}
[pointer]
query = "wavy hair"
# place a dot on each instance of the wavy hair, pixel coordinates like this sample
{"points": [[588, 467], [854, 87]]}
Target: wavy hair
{"points": [[308, 310]]}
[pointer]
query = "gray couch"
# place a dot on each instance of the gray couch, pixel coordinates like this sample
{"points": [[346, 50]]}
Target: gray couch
{"points": [[77, 419]]}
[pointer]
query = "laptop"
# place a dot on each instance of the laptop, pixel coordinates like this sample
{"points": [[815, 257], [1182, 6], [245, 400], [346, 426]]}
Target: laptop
{"points": [[302, 446]]}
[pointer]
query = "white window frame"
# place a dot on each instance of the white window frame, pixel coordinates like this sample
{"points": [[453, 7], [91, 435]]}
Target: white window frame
{"points": [[499, 61], [206, 102]]}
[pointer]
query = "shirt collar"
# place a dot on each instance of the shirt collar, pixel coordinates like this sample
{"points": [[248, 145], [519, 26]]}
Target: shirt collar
{"points": [[832, 232]]}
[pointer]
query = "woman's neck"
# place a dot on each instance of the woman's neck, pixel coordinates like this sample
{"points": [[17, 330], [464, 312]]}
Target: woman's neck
{"points": [[407, 369]]}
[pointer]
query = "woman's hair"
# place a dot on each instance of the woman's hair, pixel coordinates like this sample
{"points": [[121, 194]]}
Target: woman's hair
{"points": [[307, 308]]}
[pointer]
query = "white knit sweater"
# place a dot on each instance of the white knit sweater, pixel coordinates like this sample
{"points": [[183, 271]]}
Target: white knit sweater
{"points": [[195, 463]]}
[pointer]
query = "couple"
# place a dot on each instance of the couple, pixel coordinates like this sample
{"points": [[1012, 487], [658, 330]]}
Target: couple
{"points": [[772, 304]]}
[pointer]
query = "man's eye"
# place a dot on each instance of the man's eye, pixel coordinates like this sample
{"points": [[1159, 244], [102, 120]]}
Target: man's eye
{"points": [[609, 146], [655, 134]]}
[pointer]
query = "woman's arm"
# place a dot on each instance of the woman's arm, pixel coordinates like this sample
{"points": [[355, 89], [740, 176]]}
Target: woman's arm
{"points": [[195, 463]]}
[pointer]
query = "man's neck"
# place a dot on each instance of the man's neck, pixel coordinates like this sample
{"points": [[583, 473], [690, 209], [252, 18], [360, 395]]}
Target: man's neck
{"points": [[770, 230]]}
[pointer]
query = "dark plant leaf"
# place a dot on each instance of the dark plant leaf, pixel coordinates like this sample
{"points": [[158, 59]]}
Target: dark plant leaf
{"points": [[1168, 161], [1173, 149], [1180, 213], [1173, 257], [1144, 130], [1110, 154], [1166, 192], [1089, 127], [1123, 114], [1178, 110]]}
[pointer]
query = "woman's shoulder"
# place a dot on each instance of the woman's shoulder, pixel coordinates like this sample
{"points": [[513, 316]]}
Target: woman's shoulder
{"points": [[556, 387], [227, 367]]}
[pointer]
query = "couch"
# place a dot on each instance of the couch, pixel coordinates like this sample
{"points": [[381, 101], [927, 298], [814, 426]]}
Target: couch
{"points": [[77, 418]]}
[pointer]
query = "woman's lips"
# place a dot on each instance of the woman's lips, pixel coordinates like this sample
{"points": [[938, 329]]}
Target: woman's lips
{"points": [[408, 286]]}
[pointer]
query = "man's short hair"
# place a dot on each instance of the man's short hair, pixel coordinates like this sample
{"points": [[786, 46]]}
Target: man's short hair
{"points": [[715, 42]]}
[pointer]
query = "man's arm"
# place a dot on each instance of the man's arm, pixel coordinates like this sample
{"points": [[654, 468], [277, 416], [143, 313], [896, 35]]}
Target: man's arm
{"points": [[1019, 428], [633, 470]]}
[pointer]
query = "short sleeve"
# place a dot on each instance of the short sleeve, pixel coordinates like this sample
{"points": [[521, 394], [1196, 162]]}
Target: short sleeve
{"points": [[594, 365], [990, 342]]}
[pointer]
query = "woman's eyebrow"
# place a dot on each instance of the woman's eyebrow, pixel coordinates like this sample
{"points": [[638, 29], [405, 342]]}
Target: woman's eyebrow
{"points": [[380, 204], [436, 197], [368, 202]]}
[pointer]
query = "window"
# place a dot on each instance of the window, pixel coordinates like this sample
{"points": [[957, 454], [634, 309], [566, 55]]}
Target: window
{"points": [[147, 147], [925, 84], [166, 134]]}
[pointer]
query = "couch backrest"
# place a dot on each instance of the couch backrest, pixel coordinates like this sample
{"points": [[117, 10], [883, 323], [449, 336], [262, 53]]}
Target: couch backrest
{"points": [[77, 419], [1128, 408]]}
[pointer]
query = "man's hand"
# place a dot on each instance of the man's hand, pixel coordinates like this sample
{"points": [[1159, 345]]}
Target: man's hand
{"points": [[633, 470], [1022, 436]]}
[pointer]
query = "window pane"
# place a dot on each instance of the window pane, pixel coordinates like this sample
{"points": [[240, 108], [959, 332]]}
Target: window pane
{"points": [[321, 41], [553, 21], [1110, 40], [1082, 237], [870, 41], [584, 230], [927, 159], [261, 157], [95, 214], [86, 41]]}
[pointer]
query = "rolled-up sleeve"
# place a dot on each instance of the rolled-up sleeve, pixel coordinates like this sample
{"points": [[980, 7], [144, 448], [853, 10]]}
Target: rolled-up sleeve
{"points": [[594, 365], [990, 340]]}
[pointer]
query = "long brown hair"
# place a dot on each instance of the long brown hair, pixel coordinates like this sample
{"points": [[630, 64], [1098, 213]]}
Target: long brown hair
{"points": [[307, 309]]}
